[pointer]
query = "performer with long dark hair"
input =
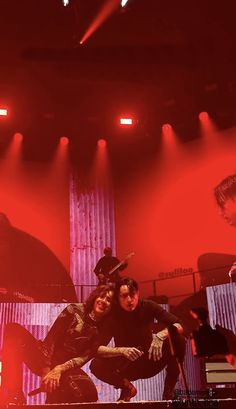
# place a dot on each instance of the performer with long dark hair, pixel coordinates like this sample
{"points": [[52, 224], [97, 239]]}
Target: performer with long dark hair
{"points": [[71, 342]]}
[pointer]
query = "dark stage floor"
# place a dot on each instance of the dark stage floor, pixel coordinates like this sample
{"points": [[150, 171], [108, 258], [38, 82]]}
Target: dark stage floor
{"points": [[176, 404]]}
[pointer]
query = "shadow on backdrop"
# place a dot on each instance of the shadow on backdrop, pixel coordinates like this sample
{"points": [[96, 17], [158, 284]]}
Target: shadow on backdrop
{"points": [[30, 271]]}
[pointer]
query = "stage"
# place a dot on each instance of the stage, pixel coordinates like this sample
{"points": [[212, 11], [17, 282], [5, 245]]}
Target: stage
{"points": [[175, 404]]}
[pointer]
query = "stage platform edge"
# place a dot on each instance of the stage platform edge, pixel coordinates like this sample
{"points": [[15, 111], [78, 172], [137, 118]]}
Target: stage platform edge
{"points": [[175, 404]]}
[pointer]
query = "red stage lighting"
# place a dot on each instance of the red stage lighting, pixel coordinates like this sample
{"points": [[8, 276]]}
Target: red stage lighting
{"points": [[166, 128], [107, 9], [126, 121], [203, 116], [64, 140], [18, 137], [101, 143], [3, 112]]}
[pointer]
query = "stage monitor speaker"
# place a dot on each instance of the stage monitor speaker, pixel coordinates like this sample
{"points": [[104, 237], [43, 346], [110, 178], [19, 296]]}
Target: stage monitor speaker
{"points": [[219, 372]]}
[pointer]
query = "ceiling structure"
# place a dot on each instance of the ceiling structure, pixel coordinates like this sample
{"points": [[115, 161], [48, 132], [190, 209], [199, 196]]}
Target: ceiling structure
{"points": [[161, 61]]}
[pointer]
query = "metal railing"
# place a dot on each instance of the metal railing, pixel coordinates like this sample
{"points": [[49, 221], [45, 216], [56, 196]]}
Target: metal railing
{"points": [[56, 292]]}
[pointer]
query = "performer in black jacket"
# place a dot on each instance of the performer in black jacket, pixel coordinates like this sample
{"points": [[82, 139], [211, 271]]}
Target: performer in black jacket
{"points": [[71, 342]]}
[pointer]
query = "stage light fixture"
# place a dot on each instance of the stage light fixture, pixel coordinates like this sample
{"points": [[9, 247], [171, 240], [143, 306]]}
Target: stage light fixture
{"points": [[126, 121], [18, 137], [3, 112], [123, 3], [166, 128], [64, 140], [203, 116], [66, 2], [101, 143]]}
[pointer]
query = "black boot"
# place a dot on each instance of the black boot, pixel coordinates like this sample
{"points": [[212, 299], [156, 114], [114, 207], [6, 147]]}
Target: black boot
{"points": [[128, 391]]}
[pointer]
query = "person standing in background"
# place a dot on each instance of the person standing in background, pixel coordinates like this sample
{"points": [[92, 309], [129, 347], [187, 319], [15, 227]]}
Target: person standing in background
{"points": [[106, 264]]}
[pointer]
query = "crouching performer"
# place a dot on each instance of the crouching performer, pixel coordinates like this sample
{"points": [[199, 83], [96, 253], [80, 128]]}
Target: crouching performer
{"points": [[71, 342], [138, 353]]}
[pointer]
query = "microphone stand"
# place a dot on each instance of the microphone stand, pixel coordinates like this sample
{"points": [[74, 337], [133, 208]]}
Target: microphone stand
{"points": [[173, 337]]}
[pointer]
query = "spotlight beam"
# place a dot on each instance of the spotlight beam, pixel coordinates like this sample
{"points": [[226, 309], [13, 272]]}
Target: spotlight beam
{"points": [[108, 8]]}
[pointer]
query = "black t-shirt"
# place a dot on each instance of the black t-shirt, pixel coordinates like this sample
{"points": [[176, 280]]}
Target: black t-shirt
{"points": [[135, 328]]}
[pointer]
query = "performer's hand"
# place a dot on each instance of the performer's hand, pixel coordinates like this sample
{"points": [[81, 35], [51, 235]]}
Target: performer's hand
{"points": [[51, 381], [131, 353], [155, 350]]}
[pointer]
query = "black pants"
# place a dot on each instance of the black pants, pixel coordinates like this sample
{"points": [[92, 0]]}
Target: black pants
{"points": [[19, 346], [75, 387], [114, 370]]}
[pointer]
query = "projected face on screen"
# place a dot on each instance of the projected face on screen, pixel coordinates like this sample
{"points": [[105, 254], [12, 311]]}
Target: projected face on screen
{"points": [[228, 212], [225, 194]]}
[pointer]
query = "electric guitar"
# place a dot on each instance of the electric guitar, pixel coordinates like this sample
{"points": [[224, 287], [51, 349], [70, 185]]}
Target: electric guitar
{"points": [[110, 275]]}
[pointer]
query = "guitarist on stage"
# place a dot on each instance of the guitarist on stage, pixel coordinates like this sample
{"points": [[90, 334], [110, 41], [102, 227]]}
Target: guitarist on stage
{"points": [[107, 263]]}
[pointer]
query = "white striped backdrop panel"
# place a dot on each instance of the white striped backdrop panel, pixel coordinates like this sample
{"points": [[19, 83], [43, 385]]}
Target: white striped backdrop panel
{"points": [[221, 301], [92, 227]]}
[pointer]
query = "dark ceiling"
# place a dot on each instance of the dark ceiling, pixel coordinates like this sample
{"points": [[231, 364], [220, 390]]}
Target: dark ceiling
{"points": [[164, 61]]}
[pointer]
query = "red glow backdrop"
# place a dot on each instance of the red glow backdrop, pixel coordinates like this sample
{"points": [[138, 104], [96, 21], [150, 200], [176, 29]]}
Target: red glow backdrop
{"points": [[170, 217]]}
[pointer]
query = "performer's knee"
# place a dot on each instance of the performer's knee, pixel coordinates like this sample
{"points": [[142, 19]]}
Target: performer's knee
{"points": [[12, 328], [12, 334], [75, 387], [96, 367]]}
